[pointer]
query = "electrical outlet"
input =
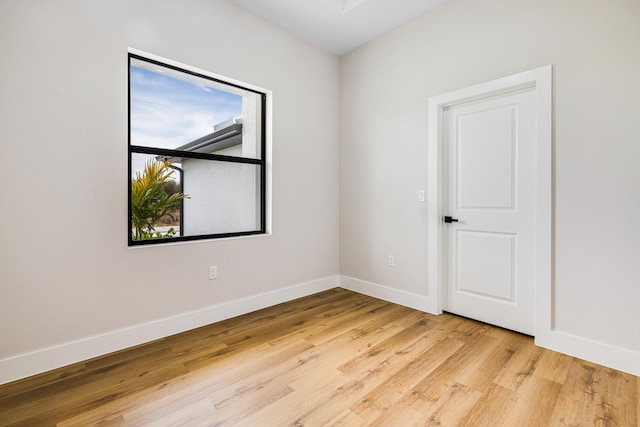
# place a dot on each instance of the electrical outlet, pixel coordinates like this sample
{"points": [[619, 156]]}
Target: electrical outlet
{"points": [[213, 272], [391, 261]]}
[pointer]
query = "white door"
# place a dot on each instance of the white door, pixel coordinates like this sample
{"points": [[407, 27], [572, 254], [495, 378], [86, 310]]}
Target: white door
{"points": [[489, 188]]}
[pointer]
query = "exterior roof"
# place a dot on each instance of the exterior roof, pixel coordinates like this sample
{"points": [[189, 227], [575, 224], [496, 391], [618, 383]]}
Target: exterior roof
{"points": [[226, 134]]}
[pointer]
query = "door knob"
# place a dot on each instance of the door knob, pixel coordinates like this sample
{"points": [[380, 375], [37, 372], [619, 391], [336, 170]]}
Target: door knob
{"points": [[448, 219]]}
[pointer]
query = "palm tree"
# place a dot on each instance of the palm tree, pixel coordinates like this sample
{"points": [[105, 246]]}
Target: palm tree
{"points": [[149, 200]]}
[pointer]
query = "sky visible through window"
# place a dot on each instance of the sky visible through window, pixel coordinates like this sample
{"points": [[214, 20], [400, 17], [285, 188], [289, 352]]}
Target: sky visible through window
{"points": [[167, 112]]}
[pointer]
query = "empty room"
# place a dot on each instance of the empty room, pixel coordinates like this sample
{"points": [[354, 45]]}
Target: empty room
{"points": [[320, 212]]}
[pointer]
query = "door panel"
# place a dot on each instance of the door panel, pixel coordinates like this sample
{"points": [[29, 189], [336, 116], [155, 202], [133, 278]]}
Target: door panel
{"points": [[490, 188], [486, 264], [485, 151]]}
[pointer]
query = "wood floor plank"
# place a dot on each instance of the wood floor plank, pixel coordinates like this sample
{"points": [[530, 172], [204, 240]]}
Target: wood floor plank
{"points": [[293, 409], [476, 369], [399, 417], [491, 409], [553, 366], [347, 419], [444, 406], [184, 413], [595, 395], [321, 407], [336, 358], [235, 411], [394, 388], [537, 398], [31, 385], [77, 394], [326, 328], [405, 341], [462, 364], [521, 365], [617, 386], [325, 396]]}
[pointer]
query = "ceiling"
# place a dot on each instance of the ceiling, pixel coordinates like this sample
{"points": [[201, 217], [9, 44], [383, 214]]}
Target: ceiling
{"points": [[338, 26]]}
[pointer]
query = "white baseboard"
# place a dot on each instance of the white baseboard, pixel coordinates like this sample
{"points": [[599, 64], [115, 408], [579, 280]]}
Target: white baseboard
{"points": [[407, 299], [594, 351], [46, 359]]}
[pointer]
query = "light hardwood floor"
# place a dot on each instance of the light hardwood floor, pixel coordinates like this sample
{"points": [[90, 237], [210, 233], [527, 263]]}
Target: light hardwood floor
{"points": [[334, 358]]}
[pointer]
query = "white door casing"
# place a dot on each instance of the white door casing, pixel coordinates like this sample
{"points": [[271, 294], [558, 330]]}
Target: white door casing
{"points": [[496, 246], [489, 187]]}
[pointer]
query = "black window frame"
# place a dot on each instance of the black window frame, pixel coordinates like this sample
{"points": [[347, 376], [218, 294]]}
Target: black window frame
{"points": [[137, 149]]}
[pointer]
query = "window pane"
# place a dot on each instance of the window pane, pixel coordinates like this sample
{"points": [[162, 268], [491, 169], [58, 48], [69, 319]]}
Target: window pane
{"points": [[177, 110], [223, 197], [156, 201]]}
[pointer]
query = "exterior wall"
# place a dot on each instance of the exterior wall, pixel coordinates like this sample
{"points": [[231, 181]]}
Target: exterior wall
{"points": [[223, 197]]}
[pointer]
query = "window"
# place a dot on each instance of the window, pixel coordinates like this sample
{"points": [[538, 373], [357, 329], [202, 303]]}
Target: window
{"points": [[196, 155]]}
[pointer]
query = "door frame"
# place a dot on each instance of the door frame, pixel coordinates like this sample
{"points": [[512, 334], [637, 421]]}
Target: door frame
{"points": [[540, 79]]}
